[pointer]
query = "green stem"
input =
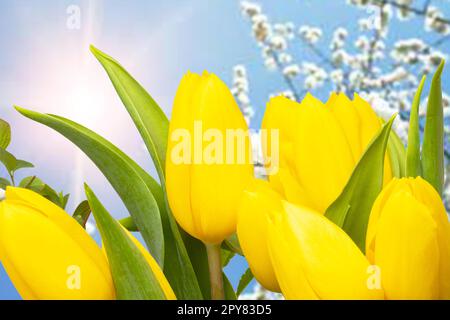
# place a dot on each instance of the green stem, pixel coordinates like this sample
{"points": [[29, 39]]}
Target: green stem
{"points": [[215, 271]]}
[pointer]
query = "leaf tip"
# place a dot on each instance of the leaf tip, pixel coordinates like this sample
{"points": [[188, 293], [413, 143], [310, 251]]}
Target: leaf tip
{"points": [[87, 189], [19, 109], [94, 50], [440, 68]]}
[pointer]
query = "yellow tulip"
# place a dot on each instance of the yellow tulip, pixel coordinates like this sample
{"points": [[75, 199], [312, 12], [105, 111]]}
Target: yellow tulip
{"points": [[315, 259], [47, 254], [159, 275], [408, 238], [257, 202], [320, 144], [205, 171]]}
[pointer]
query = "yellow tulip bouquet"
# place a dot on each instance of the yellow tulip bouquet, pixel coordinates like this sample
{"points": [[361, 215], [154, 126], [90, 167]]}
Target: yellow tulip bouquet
{"points": [[345, 210]]}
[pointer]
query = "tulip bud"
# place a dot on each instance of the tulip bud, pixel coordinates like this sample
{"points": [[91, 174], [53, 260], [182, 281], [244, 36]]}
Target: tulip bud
{"points": [[408, 238], [208, 158], [47, 254], [315, 259], [257, 202], [154, 266], [320, 145]]}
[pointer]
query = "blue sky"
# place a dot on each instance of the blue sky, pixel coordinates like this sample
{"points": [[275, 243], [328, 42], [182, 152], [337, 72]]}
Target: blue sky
{"points": [[47, 67]]}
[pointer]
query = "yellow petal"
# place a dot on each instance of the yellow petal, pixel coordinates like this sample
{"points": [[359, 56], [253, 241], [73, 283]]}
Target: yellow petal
{"points": [[406, 249], [217, 188], [326, 260], [288, 186], [344, 111], [280, 115], [323, 158], [288, 268], [256, 203], [178, 178], [426, 193], [375, 213], [47, 254]]}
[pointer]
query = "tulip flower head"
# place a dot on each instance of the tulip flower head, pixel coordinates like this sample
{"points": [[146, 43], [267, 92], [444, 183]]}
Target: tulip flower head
{"points": [[47, 254], [320, 145], [208, 158], [408, 238]]}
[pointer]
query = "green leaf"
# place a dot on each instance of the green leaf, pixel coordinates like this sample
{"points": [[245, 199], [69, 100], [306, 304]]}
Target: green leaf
{"points": [[132, 276], [245, 280], [351, 209], [32, 182], [128, 223], [127, 178], [121, 173], [21, 164], [413, 165], [63, 199], [5, 134], [433, 137], [148, 117], [4, 183], [82, 213]]}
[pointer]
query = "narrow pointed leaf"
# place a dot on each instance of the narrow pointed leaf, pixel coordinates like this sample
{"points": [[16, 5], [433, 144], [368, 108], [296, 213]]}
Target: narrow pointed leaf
{"points": [[232, 244], [433, 137], [413, 165], [352, 208], [119, 170], [148, 117], [228, 288], [132, 276]]}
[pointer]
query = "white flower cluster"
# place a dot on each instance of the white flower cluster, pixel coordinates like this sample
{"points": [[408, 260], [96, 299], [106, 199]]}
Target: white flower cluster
{"points": [[310, 34], [315, 76], [402, 12]]}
